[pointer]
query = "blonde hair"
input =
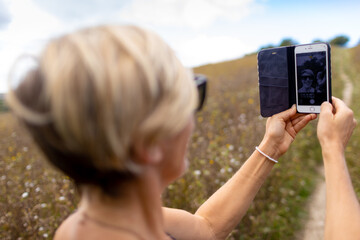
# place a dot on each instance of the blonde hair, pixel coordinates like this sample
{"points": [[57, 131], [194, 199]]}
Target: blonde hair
{"points": [[99, 90]]}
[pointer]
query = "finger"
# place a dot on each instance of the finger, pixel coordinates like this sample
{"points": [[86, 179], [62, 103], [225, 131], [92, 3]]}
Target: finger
{"points": [[299, 116], [338, 104], [313, 116], [303, 122], [326, 108], [286, 115]]}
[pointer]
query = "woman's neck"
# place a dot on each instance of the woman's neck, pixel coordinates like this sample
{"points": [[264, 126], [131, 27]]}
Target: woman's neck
{"points": [[138, 209]]}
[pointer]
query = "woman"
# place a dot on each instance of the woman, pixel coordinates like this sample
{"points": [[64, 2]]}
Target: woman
{"points": [[112, 107]]}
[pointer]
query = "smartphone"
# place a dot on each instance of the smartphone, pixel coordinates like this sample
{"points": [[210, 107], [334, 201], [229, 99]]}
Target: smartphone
{"points": [[311, 77]]}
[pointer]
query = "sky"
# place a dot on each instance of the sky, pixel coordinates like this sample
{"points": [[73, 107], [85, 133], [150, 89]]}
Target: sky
{"points": [[199, 31]]}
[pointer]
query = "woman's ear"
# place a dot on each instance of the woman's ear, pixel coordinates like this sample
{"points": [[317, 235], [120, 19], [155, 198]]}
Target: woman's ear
{"points": [[147, 155]]}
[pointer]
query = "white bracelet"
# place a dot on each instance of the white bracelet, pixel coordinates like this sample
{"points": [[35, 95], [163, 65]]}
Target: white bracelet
{"points": [[265, 155]]}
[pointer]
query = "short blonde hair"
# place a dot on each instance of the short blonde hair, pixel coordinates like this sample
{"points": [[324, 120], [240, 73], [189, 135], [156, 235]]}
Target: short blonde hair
{"points": [[99, 90]]}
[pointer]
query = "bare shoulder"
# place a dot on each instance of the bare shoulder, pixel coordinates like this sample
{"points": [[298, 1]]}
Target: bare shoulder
{"points": [[77, 227], [67, 229]]}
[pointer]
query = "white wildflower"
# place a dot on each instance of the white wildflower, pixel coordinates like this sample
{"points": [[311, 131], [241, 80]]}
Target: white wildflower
{"points": [[62, 198], [25, 195]]}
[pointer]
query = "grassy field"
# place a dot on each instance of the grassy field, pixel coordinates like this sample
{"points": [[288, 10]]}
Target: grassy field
{"points": [[35, 198], [352, 69]]}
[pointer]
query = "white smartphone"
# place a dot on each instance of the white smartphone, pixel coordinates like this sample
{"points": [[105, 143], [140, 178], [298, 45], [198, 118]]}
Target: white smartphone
{"points": [[311, 77]]}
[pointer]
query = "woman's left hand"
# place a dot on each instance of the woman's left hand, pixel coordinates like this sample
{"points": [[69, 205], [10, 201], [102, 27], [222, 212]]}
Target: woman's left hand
{"points": [[281, 130]]}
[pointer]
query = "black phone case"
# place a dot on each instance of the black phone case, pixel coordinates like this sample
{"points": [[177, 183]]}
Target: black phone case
{"points": [[276, 69]]}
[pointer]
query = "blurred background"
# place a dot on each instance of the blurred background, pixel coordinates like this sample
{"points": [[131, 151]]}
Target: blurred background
{"points": [[218, 38], [200, 31]]}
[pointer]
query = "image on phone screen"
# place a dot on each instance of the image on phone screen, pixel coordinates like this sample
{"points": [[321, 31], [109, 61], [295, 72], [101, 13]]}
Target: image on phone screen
{"points": [[311, 78]]}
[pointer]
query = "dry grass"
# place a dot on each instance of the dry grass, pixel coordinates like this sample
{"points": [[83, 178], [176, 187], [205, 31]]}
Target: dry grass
{"points": [[35, 198], [353, 150]]}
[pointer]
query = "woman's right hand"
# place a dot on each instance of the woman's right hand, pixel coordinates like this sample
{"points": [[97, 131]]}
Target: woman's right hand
{"points": [[281, 130], [335, 126]]}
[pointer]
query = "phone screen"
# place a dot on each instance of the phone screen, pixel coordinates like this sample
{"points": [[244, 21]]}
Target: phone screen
{"points": [[311, 78]]}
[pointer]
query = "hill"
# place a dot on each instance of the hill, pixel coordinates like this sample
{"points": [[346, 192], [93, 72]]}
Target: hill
{"points": [[35, 198], [351, 63], [233, 112], [3, 106]]}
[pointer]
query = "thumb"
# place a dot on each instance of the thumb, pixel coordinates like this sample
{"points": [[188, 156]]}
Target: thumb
{"points": [[326, 108], [286, 115]]}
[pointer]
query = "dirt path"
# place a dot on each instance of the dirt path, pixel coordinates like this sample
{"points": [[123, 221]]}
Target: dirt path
{"points": [[314, 227]]}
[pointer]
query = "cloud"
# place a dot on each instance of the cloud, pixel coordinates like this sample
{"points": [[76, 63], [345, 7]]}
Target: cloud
{"points": [[174, 13], [28, 31], [69, 10], [29, 27], [188, 13], [210, 49], [33, 22], [4, 15]]}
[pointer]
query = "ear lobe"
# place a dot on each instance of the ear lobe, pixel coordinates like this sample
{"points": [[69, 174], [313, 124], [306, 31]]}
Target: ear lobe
{"points": [[148, 154], [154, 154]]}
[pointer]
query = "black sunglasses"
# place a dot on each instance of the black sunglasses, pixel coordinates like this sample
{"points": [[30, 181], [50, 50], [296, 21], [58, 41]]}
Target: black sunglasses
{"points": [[201, 81]]}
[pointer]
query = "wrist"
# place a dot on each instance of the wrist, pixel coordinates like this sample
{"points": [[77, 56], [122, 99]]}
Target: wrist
{"points": [[265, 155], [330, 147], [332, 151], [269, 148]]}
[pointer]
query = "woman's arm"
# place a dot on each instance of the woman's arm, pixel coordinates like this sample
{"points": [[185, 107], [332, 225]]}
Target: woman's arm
{"points": [[336, 124], [218, 216]]}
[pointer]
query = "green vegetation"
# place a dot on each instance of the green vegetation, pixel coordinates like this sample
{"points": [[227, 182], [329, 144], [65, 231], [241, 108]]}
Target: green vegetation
{"points": [[3, 107], [288, 42], [283, 43], [340, 41], [35, 198], [317, 41], [227, 131], [352, 69]]}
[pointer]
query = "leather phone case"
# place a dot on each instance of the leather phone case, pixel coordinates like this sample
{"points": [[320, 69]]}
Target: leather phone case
{"points": [[276, 71]]}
